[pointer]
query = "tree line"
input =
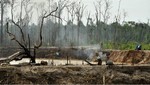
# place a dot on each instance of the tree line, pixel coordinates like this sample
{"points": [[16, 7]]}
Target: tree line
{"points": [[54, 33]]}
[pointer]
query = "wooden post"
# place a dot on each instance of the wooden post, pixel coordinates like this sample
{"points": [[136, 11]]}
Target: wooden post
{"points": [[67, 60]]}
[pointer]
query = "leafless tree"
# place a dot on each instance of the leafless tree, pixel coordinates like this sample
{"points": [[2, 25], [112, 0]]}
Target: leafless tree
{"points": [[117, 20], [98, 15], [3, 4], [50, 3], [118, 16], [71, 12], [79, 11], [98, 10], [124, 15], [90, 30], [27, 49], [106, 12], [102, 8], [61, 5]]}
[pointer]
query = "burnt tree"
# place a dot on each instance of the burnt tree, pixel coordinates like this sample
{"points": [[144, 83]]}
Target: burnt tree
{"points": [[27, 48]]}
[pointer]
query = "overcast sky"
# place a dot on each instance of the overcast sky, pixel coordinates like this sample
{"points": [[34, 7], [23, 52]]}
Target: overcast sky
{"points": [[137, 10]]}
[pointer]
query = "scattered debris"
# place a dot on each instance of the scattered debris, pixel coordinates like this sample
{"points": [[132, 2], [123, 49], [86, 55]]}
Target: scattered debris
{"points": [[109, 62], [90, 63], [9, 58], [44, 63]]}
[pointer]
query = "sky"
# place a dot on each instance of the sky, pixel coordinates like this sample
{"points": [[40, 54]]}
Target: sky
{"points": [[137, 10]]}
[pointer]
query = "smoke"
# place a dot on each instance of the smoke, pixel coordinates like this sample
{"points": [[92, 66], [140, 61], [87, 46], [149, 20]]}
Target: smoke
{"points": [[86, 52], [89, 53]]}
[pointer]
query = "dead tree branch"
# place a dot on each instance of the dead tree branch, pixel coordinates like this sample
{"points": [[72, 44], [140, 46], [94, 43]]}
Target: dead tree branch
{"points": [[22, 34], [41, 26], [14, 38], [23, 45]]}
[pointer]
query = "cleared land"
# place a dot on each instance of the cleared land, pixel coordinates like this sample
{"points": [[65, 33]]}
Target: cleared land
{"points": [[131, 67], [75, 75]]}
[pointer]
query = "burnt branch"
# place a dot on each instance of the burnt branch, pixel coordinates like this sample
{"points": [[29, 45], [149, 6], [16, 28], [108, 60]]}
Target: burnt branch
{"points": [[41, 26], [22, 34], [26, 51], [29, 43], [50, 13], [14, 38], [9, 33]]}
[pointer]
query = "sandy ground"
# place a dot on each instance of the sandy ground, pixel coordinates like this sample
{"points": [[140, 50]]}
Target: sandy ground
{"points": [[56, 61]]}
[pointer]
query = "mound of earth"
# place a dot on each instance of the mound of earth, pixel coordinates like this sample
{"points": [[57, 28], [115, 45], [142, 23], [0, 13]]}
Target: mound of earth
{"points": [[50, 75], [130, 56], [75, 75]]}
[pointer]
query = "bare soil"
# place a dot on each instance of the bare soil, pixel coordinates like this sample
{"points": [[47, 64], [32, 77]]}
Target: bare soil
{"points": [[75, 75], [130, 56], [134, 69]]}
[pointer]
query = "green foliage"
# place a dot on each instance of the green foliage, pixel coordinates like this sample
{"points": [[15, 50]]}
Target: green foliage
{"points": [[126, 46], [108, 45], [145, 46]]}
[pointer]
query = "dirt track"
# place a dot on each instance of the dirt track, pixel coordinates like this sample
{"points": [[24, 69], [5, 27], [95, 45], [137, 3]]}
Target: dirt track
{"points": [[75, 75]]}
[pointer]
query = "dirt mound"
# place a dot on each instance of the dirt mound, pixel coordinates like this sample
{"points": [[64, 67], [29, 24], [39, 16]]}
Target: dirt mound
{"points": [[130, 56], [75, 75], [50, 75]]}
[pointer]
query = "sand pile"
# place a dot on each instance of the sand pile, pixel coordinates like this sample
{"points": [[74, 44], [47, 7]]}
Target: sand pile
{"points": [[130, 56]]}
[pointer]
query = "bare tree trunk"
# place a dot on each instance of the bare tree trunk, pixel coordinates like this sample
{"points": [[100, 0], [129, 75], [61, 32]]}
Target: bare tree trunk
{"points": [[33, 57], [23, 45], [78, 29], [80, 8], [116, 26], [2, 15]]}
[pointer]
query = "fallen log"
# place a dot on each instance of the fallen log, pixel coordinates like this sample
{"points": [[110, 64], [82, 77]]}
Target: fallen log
{"points": [[9, 58], [90, 63]]}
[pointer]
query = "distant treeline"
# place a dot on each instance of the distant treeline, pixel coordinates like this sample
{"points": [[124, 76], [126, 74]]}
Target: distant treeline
{"points": [[55, 34]]}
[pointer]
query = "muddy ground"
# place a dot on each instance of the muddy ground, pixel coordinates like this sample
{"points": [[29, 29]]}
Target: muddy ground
{"points": [[75, 75], [131, 67]]}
